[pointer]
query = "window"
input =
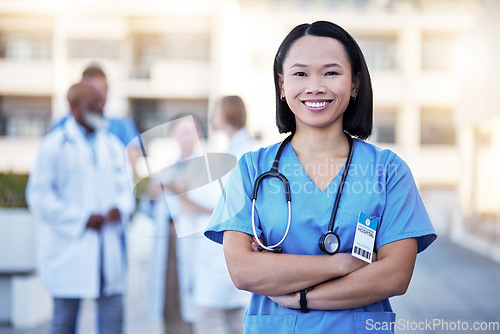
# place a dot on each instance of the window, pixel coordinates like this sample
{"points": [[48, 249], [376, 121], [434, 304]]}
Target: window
{"points": [[144, 113], [189, 46], [147, 49], [27, 117], [93, 49], [25, 46], [379, 51], [150, 48], [148, 113], [384, 126], [437, 127], [437, 51]]}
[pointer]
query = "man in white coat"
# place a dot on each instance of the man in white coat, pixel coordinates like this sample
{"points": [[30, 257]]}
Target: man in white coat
{"points": [[79, 192]]}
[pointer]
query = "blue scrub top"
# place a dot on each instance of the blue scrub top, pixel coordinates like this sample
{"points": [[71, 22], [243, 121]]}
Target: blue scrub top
{"points": [[379, 184]]}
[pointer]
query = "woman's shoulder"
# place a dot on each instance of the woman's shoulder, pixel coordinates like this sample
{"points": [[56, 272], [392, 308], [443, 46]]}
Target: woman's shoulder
{"points": [[385, 158], [372, 151], [262, 157]]}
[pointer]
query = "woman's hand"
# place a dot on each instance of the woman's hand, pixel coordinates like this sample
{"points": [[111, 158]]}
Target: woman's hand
{"points": [[291, 300]]}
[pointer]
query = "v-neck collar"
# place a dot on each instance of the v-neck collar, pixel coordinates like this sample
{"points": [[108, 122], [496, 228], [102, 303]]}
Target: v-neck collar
{"points": [[302, 185]]}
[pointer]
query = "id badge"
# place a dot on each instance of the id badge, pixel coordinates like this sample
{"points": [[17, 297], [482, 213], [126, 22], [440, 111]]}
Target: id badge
{"points": [[364, 239]]}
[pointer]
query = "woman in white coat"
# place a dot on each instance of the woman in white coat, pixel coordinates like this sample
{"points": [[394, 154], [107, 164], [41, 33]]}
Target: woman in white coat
{"points": [[79, 192]]}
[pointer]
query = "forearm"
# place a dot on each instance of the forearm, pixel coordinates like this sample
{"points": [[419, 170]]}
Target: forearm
{"points": [[365, 286], [387, 277], [277, 274]]}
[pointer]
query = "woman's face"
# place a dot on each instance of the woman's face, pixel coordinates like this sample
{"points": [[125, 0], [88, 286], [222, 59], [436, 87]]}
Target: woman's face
{"points": [[317, 81]]}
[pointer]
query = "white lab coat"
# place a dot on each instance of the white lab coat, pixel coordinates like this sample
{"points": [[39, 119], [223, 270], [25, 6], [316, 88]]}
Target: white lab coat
{"points": [[64, 189], [213, 285], [158, 211]]}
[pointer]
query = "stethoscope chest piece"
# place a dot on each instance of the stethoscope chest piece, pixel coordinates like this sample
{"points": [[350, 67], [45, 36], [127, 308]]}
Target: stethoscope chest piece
{"points": [[329, 243]]}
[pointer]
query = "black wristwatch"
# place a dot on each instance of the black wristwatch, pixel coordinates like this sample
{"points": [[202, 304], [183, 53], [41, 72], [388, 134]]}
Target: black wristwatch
{"points": [[303, 300]]}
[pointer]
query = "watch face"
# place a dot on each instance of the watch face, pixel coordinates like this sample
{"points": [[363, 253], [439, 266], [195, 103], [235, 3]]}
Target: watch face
{"points": [[331, 243]]}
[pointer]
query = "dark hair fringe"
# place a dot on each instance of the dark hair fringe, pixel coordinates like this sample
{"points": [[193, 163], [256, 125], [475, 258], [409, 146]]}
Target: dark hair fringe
{"points": [[358, 116]]}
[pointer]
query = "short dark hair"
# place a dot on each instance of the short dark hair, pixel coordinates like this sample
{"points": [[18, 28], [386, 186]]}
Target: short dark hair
{"points": [[92, 71], [358, 117]]}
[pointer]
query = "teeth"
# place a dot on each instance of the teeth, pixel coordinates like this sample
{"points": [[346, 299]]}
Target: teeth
{"points": [[315, 104]]}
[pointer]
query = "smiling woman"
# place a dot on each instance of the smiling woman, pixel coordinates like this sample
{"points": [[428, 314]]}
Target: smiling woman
{"points": [[371, 238], [317, 82]]}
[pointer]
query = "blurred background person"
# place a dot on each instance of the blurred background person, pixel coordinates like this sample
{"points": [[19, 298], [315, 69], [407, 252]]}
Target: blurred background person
{"points": [[154, 205], [208, 297], [79, 192], [123, 128], [219, 306], [230, 116], [181, 250]]}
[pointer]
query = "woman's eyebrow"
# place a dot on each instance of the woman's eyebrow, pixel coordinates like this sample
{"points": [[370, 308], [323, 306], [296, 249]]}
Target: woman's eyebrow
{"points": [[298, 65], [332, 65], [324, 66]]}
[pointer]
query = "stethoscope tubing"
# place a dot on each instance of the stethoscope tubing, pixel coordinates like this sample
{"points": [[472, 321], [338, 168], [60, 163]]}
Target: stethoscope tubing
{"points": [[271, 248], [274, 172], [341, 185]]}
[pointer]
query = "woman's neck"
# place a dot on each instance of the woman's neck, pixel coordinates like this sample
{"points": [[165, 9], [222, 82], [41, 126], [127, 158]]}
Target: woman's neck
{"points": [[320, 143]]}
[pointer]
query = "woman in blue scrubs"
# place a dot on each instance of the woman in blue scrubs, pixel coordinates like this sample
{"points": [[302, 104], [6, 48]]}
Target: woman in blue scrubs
{"points": [[323, 91]]}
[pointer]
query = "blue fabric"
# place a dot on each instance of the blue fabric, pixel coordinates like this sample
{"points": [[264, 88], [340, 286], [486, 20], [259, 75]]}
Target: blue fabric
{"points": [[109, 315], [123, 128], [90, 138], [379, 184], [65, 315]]}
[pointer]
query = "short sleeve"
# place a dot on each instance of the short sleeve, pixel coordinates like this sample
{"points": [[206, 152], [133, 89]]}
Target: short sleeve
{"points": [[123, 128], [234, 208], [404, 214]]}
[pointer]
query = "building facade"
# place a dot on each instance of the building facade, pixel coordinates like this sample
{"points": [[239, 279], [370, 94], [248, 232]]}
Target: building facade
{"points": [[167, 57]]}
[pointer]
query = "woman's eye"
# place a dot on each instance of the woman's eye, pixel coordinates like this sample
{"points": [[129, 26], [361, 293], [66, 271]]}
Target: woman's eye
{"points": [[331, 73], [300, 74]]}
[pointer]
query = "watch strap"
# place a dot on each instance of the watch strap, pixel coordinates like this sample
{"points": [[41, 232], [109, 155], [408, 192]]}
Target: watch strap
{"points": [[303, 300]]}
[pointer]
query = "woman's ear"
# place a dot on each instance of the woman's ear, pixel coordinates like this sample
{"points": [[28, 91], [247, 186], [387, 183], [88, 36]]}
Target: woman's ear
{"points": [[355, 85], [281, 85]]}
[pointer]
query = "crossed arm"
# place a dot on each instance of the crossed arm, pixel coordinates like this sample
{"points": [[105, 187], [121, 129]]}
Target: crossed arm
{"points": [[280, 276]]}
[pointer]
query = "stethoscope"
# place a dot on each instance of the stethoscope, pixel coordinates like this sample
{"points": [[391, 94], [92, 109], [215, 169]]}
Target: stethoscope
{"points": [[67, 139], [330, 241]]}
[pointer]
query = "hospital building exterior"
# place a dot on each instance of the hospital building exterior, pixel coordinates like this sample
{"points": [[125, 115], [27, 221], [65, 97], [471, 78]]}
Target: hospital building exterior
{"points": [[167, 57]]}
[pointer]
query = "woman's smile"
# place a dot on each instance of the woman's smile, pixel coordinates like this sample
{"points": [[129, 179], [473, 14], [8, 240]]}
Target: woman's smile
{"points": [[317, 105]]}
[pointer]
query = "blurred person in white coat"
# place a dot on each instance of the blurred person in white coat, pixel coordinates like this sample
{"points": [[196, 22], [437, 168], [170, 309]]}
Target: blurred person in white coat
{"points": [[220, 306], [187, 130], [230, 117], [154, 205], [79, 192]]}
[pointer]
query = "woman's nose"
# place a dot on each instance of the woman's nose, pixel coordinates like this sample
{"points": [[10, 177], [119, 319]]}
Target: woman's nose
{"points": [[315, 85]]}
